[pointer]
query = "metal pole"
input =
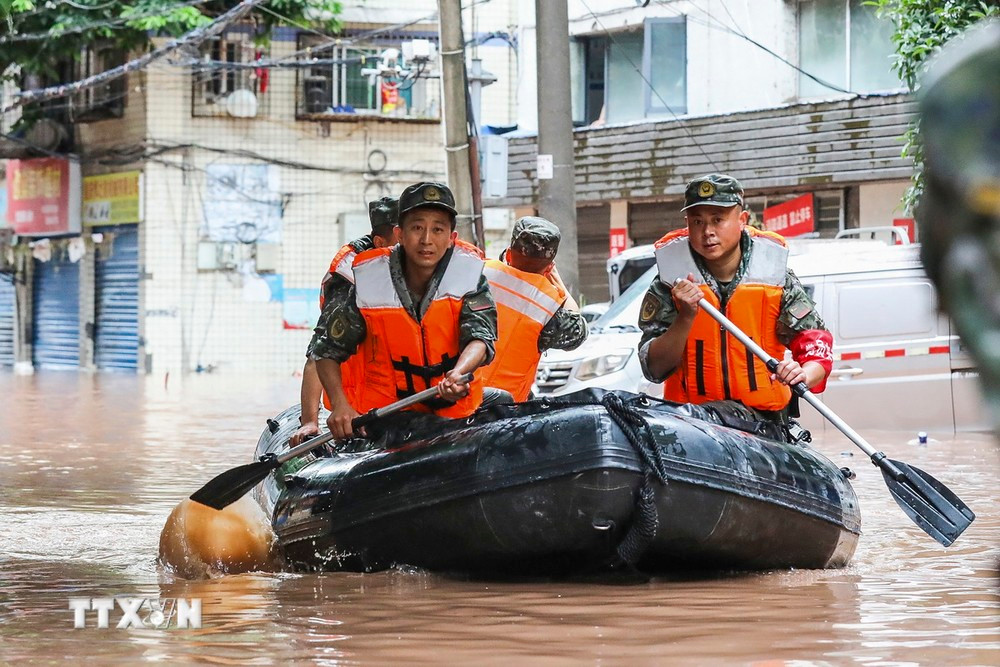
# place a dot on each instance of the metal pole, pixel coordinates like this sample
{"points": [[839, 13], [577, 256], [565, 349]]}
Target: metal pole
{"points": [[556, 195], [455, 112]]}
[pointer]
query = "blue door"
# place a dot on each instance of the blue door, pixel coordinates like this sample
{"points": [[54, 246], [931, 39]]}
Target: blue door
{"points": [[57, 314], [116, 278], [7, 309]]}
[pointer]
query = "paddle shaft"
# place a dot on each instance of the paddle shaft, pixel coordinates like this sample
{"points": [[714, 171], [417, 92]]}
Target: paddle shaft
{"points": [[800, 388], [367, 418]]}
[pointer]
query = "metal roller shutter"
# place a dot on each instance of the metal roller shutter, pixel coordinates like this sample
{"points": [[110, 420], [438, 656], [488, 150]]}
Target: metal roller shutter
{"points": [[7, 311], [593, 224], [648, 222], [57, 315], [116, 278]]}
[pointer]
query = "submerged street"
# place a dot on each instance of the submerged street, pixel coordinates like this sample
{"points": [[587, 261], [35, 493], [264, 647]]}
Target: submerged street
{"points": [[90, 467]]}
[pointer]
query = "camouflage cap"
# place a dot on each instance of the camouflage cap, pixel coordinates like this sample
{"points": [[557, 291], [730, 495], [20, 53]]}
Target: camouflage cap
{"points": [[437, 195], [384, 211], [535, 237], [713, 190]]}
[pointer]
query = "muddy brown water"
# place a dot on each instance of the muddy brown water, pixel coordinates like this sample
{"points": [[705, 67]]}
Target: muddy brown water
{"points": [[90, 466]]}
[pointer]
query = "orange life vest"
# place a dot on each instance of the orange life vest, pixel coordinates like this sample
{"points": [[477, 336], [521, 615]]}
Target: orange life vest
{"points": [[402, 356], [353, 368], [716, 365], [342, 265], [525, 304]]}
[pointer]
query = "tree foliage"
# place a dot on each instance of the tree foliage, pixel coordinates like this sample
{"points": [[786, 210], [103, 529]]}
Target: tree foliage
{"points": [[922, 27], [37, 35]]}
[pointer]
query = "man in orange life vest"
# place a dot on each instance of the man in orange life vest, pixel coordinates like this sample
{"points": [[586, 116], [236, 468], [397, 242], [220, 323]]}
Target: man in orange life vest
{"points": [[535, 310], [419, 314], [383, 214], [744, 273]]}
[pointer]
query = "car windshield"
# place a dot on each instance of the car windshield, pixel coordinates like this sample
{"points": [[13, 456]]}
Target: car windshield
{"points": [[623, 315]]}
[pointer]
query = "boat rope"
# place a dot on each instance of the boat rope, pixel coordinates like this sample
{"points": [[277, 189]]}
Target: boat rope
{"points": [[646, 520]]}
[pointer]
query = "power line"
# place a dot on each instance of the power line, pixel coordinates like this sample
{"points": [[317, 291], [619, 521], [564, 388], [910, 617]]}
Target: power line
{"points": [[110, 23], [197, 35], [652, 88], [714, 24]]}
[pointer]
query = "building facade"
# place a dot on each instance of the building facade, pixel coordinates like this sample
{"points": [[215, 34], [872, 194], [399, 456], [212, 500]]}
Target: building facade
{"points": [[213, 192], [795, 98]]}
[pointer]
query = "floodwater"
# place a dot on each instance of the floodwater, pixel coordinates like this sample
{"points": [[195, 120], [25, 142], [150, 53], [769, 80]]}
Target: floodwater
{"points": [[90, 466]]}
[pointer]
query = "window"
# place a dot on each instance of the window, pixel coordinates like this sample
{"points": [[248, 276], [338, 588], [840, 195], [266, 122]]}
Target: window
{"points": [[227, 69], [844, 43], [337, 85], [607, 83], [828, 210], [106, 100]]}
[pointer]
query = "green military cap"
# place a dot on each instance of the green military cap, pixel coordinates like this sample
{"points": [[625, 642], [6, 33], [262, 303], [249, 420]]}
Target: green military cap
{"points": [[384, 211], [437, 195], [535, 237], [713, 190]]}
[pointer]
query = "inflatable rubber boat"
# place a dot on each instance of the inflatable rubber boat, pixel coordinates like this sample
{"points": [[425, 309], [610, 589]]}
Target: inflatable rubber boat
{"points": [[588, 482]]}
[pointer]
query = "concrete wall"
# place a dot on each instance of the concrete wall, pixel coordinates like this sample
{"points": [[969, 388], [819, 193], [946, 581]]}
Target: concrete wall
{"points": [[726, 73], [191, 318], [208, 318], [879, 203]]}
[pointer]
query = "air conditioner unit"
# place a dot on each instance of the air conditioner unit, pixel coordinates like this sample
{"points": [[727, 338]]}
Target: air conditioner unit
{"points": [[493, 153], [48, 134], [241, 103], [353, 224], [316, 93]]}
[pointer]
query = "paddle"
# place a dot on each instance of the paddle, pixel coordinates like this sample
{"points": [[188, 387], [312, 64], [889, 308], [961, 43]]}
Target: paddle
{"points": [[928, 502], [228, 487]]}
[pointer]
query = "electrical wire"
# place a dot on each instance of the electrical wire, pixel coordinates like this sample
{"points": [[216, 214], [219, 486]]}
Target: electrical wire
{"points": [[715, 24], [197, 35], [110, 23], [652, 88]]}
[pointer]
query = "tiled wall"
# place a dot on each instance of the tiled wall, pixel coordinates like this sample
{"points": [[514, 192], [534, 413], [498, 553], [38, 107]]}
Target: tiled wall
{"points": [[203, 318]]}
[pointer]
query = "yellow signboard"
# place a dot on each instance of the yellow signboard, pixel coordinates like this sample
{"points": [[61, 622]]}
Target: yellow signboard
{"points": [[112, 199]]}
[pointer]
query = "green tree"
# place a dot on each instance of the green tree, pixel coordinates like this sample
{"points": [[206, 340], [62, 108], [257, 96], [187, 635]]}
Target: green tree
{"points": [[922, 28], [38, 35]]}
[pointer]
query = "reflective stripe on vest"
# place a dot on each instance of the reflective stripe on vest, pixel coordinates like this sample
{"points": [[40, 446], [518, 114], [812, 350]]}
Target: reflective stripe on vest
{"points": [[525, 304], [716, 365], [402, 356], [530, 294], [341, 265]]}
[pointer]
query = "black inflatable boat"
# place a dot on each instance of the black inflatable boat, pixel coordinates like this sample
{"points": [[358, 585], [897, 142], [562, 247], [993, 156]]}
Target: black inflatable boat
{"points": [[590, 481]]}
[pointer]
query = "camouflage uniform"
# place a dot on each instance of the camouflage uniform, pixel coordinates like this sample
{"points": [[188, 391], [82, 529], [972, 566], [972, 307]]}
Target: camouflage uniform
{"points": [[334, 286], [341, 327], [798, 311], [959, 211], [537, 237]]}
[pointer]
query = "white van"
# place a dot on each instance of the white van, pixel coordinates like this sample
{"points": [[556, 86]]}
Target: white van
{"points": [[896, 364]]}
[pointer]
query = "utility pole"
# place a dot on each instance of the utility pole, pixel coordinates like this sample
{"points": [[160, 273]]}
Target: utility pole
{"points": [[456, 114], [556, 187]]}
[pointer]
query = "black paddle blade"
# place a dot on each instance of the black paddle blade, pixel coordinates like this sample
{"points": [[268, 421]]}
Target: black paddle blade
{"points": [[929, 503], [228, 487]]}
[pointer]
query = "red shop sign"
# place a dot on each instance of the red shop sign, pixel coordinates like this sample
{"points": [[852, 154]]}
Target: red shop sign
{"points": [[619, 241], [792, 218], [44, 196]]}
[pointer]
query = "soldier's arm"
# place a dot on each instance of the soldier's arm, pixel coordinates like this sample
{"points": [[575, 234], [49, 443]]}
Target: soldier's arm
{"points": [[801, 329], [565, 331], [556, 279], [477, 320], [342, 413], [339, 331], [309, 397], [664, 333]]}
